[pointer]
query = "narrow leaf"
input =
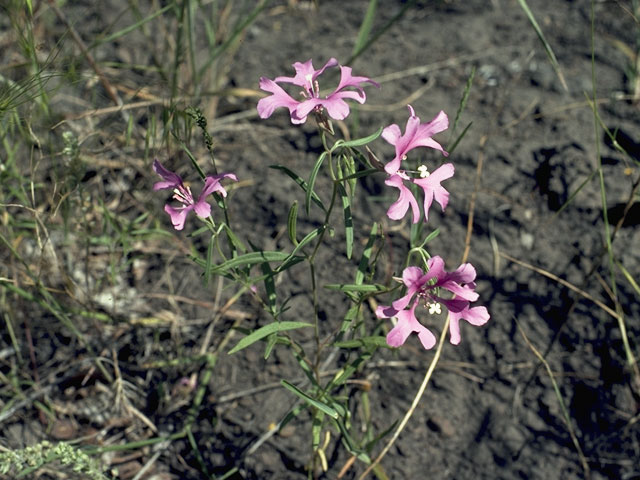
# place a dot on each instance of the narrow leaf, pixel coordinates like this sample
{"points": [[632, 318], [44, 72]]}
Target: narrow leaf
{"points": [[292, 220], [310, 236], [311, 401], [348, 219], [302, 183], [354, 287], [312, 181], [245, 260], [363, 266], [265, 331], [358, 142], [366, 342]]}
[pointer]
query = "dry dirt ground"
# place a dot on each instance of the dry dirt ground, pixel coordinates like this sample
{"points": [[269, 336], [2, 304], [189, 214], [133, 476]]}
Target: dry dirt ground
{"points": [[490, 411]]}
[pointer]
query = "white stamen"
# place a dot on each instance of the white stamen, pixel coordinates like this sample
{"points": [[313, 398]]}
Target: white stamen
{"points": [[434, 308], [424, 171]]}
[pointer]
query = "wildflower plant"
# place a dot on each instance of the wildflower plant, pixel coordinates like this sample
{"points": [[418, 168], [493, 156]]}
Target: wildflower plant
{"points": [[426, 295]]}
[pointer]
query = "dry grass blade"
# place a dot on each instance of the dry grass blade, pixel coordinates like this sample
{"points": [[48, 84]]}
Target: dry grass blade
{"points": [[569, 285]]}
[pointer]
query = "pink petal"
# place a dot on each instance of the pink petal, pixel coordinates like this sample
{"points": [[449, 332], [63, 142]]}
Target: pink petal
{"points": [[202, 208], [304, 71], [435, 266], [172, 180], [306, 106], [408, 324], [280, 98], [391, 133], [385, 311], [432, 188], [178, 215], [399, 208], [212, 184], [336, 107], [475, 316], [348, 80], [425, 131]]}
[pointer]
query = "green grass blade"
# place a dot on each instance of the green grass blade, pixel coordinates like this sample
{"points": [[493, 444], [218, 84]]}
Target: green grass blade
{"points": [[131, 28], [382, 30], [463, 100], [365, 28], [547, 47], [457, 141]]}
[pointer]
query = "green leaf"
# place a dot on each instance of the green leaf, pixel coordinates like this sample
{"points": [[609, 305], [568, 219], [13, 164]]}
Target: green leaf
{"points": [[210, 253], [430, 237], [311, 401], [292, 220], [270, 287], [237, 243], [351, 315], [354, 287], [367, 342], [245, 260], [363, 266], [348, 219], [358, 142], [302, 183], [312, 181], [265, 331], [310, 236]]}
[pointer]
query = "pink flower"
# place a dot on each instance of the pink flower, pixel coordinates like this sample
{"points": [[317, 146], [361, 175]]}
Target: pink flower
{"points": [[426, 288], [306, 77], [430, 186], [416, 135], [183, 194]]}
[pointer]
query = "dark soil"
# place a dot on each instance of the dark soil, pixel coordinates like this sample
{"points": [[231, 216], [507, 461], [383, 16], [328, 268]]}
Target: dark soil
{"points": [[490, 411]]}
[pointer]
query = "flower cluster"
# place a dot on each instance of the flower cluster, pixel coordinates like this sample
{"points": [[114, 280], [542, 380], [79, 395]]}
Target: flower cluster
{"points": [[306, 77], [426, 289], [182, 193], [416, 135], [423, 288]]}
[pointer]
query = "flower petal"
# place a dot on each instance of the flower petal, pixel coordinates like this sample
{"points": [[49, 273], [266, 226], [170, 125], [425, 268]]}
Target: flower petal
{"points": [[408, 324], [399, 208], [280, 98], [178, 215], [212, 184], [172, 180], [432, 188], [475, 316]]}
